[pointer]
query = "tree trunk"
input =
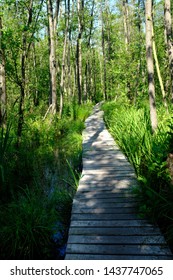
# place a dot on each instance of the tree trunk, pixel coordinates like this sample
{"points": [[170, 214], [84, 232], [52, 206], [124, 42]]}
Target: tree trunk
{"points": [[169, 39], [63, 62], [126, 23], [52, 23], [80, 7], [150, 64], [3, 97], [25, 50], [104, 58], [158, 70], [87, 88]]}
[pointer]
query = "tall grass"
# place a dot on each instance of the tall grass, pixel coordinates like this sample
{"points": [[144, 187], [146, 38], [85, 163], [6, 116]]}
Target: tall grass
{"points": [[148, 154], [42, 176]]}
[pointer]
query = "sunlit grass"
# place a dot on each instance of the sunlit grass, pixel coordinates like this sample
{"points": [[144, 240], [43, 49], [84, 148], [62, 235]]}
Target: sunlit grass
{"points": [[130, 126]]}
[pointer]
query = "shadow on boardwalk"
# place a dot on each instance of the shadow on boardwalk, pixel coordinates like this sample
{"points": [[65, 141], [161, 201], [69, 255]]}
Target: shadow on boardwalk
{"points": [[104, 221]]}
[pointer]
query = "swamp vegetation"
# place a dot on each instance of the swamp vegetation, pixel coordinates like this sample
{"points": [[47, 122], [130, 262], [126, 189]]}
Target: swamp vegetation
{"points": [[57, 59]]}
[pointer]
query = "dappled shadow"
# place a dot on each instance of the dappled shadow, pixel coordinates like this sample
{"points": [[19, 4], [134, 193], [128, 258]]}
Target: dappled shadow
{"points": [[105, 223]]}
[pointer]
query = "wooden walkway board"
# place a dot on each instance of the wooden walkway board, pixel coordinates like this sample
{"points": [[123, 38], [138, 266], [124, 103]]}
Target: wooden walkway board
{"points": [[105, 224]]}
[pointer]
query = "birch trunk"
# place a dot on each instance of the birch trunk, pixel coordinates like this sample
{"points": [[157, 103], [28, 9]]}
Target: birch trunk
{"points": [[63, 63], [3, 97], [169, 39], [150, 64], [104, 79], [158, 71], [52, 23], [126, 23], [80, 6]]}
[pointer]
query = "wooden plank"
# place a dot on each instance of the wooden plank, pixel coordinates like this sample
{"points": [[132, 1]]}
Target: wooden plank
{"points": [[109, 154], [104, 223], [119, 249], [115, 240], [111, 167], [104, 188], [104, 179], [102, 148], [104, 194], [110, 223], [100, 141], [93, 200], [115, 257], [106, 199], [102, 216], [113, 210], [118, 183], [84, 187], [117, 231], [108, 167], [104, 155], [108, 172], [96, 204]]}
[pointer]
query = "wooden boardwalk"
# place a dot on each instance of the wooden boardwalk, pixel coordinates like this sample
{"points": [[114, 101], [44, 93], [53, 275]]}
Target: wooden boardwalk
{"points": [[104, 221]]}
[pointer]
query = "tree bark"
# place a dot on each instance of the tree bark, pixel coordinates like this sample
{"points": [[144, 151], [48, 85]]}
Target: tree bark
{"points": [[52, 23], [3, 96], [150, 64], [80, 7], [104, 58], [158, 71], [63, 62], [126, 23], [87, 88], [25, 51], [169, 39]]}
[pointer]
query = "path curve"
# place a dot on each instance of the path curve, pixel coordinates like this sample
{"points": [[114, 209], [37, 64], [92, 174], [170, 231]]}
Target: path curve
{"points": [[104, 220]]}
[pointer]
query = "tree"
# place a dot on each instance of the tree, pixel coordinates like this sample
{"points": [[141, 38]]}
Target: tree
{"points": [[62, 86], [126, 23], [3, 97], [52, 24], [169, 39], [158, 70], [150, 63], [104, 79], [80, 11]]}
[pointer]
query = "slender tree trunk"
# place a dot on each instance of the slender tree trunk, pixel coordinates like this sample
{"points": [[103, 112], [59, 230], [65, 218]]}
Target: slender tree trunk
{"points": [[25, 50], [158, 70], [3, 96], [126, 23], [63, 62], [52, 23], [36, 91], [169, 39], [69, 70], [87, 88], [80, 7], [150, 64], [104, 58]]}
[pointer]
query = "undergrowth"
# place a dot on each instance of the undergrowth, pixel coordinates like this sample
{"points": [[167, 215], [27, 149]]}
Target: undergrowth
{"points": [[148, 153], [37, 183]]}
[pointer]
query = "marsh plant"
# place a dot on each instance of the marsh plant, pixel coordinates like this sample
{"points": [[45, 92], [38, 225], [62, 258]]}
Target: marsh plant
{"points": [[148, 153]]}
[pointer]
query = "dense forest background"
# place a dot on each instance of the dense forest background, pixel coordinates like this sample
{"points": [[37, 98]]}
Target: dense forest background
{"points": [[57, 59]]}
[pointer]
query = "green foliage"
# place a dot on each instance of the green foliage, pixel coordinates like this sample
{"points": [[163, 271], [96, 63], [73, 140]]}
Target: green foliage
{"points": [[39, 180], [28, 222], [148, 153]]}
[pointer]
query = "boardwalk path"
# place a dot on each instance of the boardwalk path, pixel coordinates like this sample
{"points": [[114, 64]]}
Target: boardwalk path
{"points": [[104, 222]]}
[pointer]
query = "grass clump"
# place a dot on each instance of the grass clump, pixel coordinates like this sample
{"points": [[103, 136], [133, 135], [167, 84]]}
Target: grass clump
{"points": [[38, 180], [148, 153]]}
